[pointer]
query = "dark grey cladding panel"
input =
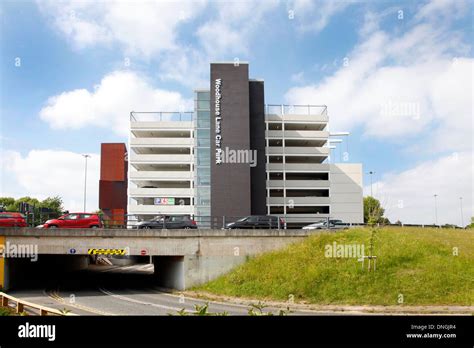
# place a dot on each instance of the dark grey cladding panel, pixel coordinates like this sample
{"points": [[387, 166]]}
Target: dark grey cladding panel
{"points": [[257, 142], [230, 182]]}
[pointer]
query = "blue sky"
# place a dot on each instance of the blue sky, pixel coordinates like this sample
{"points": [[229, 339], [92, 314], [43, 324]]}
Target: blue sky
{"points": [[365, 60]]}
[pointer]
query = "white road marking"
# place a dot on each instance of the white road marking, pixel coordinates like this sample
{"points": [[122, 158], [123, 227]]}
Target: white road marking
{"points": [[128, 299], [228, 304], [146, 267], [55, 296]]}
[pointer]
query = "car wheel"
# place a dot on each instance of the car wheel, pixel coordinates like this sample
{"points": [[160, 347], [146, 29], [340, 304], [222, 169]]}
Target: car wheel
{"points": [[53, 226], [94, 226], [146, 227], [187, 228]]}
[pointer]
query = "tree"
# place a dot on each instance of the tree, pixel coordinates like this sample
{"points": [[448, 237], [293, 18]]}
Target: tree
{"points": [[7, 203], [373, 211], [50, 207], [54, 203], [29, 200]]}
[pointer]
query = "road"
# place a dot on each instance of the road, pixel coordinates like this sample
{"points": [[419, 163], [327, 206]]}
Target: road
{"points": [[127, 290]]}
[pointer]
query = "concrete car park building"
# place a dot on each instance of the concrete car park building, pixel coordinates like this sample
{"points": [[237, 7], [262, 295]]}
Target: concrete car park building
{"points": [[236, 156]]}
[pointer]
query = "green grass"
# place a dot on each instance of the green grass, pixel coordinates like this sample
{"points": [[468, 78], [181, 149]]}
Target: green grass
{"points": [[415, 262], [6, 312]]}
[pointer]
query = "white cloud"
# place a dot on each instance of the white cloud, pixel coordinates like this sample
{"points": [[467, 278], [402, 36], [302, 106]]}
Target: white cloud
{"points": [[235, 23], [311, 15], [444, 8], [297, 77], [110, 103], [146, 29], [396, 87], [227, 34], [187, 66], [415, 89], [220, 38], [408, 195], [149, 31], [47, 173]]}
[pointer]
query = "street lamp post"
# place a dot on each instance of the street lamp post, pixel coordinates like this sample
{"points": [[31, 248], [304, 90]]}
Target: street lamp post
{"points": [[436, 209], [371, 189], [462, 217], [85, 181]]}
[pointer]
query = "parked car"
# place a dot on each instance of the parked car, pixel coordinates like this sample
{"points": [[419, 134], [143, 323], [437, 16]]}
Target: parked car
{"points": [[12, 220], [323, 225], [75, 220], [169, 222], [257, 221]]}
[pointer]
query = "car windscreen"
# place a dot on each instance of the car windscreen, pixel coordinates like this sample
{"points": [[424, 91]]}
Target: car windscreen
{"points": [[157, 218], [176, 218]]}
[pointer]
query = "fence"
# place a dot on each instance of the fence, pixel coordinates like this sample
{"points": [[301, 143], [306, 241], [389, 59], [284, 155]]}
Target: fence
{"points": [[219, 222], [202, 222], [34, 219], [158, 116], [21, 304], [118, 221], [281, 109]]}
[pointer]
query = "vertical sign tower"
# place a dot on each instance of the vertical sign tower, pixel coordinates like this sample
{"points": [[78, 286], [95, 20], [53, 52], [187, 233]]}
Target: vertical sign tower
{"points": [[230, 130]]}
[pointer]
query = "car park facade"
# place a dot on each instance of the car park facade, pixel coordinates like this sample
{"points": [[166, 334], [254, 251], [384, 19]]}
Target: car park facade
{"points": [[236, 156]]}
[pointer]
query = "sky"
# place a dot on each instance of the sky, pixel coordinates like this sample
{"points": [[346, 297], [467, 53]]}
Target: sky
{"points": [[397, 75]]}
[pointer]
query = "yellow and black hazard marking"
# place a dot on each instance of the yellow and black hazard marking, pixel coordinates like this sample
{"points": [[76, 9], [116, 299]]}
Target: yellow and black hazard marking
{"points": [[106, 251]]}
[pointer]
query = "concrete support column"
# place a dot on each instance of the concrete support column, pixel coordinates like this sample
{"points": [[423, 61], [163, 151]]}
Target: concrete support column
{"points": [[202, 269]]}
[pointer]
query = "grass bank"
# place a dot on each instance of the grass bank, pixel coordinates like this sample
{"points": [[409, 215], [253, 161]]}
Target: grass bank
{"points": [[415, 266], [6, 312]]}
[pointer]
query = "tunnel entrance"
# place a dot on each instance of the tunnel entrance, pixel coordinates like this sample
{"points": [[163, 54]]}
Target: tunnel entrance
{"points": [[41, 271], [88, 271], [169, 271]]}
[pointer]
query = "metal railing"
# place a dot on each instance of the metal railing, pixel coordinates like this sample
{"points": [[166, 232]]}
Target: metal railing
{"points": [[158, 116], [282, 109], [219, 222], [120, 221], [21, 304], [202, 222]]}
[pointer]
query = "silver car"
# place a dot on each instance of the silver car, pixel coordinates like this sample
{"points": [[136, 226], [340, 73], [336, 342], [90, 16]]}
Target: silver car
{"points": [[323, 225]]}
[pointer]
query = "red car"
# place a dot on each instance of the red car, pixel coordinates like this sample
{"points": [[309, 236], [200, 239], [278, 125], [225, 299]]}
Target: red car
{"points": [[12, 220], [75, 220]]}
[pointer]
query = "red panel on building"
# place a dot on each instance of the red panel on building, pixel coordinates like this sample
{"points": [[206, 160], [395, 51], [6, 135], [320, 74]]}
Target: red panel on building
{"points": [[112, 162], [113, 182], [112, 195]]}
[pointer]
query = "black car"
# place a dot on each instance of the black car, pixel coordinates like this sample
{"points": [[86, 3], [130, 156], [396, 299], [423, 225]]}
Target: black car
{"points": [[257, 221], [169, 222]]}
